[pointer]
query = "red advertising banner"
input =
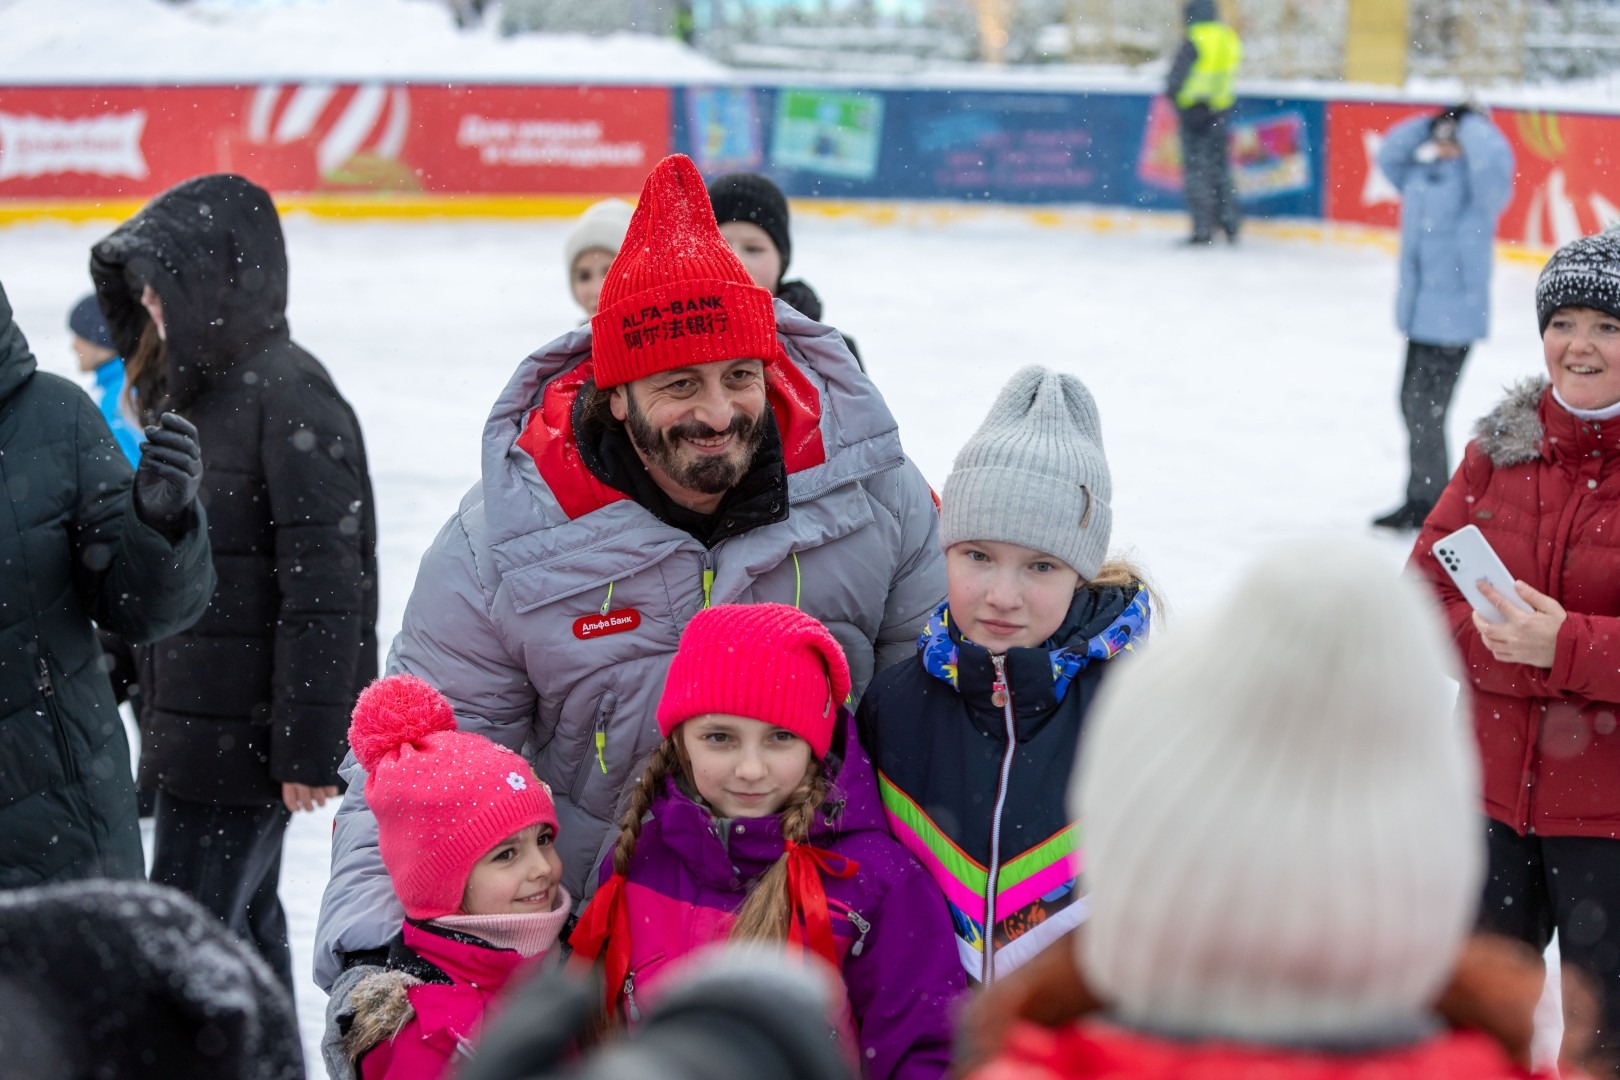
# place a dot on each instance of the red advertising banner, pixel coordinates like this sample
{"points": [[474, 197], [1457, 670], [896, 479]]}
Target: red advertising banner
{"points": [[132, 142], [1567, 171]]}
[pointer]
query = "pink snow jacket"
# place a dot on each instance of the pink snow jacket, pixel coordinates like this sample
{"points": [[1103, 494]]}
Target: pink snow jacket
{"points": [[414, 1020], [691, 872]]}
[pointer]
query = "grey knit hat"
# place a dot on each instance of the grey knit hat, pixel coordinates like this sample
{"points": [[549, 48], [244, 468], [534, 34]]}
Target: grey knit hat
{"points": [[1583, 273], [1035, 474]]}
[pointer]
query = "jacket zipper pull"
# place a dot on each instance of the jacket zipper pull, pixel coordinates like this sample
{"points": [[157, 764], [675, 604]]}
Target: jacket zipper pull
{"points": [[604, 709], [862, 926], [998, 689], [630, 1008], [46, 687]]}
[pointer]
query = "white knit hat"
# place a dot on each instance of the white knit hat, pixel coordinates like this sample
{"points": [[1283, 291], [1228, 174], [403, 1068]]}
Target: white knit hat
{"points": [[1034, 474], [602, 225], [1283, 834]]}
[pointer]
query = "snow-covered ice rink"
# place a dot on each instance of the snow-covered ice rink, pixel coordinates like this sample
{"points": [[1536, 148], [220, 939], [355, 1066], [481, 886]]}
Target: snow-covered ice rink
{"points": [[1247, 394]]}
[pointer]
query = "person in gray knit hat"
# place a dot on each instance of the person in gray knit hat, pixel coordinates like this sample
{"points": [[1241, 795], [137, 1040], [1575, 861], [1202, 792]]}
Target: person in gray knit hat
{"points": [[975, 740]]}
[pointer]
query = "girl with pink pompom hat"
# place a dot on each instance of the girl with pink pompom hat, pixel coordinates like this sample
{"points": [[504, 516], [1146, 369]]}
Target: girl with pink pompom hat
{"points": [[466, 831]]}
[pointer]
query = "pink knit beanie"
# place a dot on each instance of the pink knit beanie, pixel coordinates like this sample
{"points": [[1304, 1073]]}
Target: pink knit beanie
{"points": [[765, 662], [443, 798]]}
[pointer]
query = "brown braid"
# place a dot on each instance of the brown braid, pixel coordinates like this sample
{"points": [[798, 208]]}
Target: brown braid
{"points": [[765, 913], [664, 762]]}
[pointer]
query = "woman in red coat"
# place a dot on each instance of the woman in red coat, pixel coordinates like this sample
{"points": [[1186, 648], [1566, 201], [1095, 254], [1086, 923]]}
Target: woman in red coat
{"points": [[1541, 480]]}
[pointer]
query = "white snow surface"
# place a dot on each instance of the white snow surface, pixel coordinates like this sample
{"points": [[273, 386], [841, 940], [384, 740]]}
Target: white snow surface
{"points": [[78, 42], [1247, 394]]}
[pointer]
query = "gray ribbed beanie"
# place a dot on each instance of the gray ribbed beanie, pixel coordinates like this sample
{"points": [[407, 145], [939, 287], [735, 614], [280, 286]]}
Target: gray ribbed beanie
{"points": [[1035, 474]]}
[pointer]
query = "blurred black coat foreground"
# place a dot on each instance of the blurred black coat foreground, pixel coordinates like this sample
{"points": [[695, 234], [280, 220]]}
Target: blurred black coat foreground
{"points": [[73, 549], [105, 980], [258, 692]]}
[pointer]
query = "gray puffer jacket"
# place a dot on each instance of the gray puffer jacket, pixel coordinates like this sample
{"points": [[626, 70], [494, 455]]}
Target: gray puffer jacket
{"points": [[499, 616]]}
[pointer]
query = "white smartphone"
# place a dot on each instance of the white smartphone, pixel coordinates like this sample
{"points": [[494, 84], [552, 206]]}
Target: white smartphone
{"points": [[1468, 557]]}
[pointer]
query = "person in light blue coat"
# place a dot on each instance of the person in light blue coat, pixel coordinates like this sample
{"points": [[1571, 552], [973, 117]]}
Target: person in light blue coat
{"points": [[97, 355], [1454, 171]]}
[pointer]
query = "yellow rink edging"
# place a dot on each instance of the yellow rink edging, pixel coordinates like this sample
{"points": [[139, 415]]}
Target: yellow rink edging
{"points": [[392, 206]]}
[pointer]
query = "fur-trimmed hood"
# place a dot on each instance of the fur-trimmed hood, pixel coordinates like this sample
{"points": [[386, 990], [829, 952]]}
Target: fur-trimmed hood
{"points": [[1511, 433], [380, 1008]]}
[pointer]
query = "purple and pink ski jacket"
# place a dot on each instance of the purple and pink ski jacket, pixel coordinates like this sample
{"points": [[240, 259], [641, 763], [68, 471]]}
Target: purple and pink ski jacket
{"points": [[691, 873]]}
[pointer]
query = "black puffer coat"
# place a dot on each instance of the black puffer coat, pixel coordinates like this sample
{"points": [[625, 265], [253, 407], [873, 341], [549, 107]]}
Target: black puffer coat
{"points": [[258, 692], [72, 549]]}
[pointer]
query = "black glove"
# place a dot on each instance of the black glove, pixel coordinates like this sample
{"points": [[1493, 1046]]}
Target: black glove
{"points": [[170, 471]]}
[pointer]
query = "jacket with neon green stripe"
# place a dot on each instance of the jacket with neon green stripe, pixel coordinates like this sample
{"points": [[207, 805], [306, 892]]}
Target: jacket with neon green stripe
{"points": [[1202, 74], [973, 805]]}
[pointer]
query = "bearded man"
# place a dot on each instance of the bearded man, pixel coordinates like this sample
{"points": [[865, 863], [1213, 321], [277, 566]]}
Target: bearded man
{"points": [[695, 445]]}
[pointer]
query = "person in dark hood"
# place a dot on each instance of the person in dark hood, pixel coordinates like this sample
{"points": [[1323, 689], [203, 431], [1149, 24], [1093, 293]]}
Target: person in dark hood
{"points": [[126, 980], [752, 214], [82, 537], [245, 713], [1200, 84]]}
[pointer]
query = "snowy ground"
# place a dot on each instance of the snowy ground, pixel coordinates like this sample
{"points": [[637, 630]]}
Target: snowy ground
{"points": [[1247, 394]]}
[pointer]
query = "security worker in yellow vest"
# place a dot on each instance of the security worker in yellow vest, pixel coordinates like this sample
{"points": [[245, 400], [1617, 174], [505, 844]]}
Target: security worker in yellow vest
{"points": [[1200, 84]]}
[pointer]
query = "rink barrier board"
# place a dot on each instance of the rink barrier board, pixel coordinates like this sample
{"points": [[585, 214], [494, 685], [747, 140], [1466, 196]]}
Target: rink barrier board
{"points": [[881, 213], [485, 150]]}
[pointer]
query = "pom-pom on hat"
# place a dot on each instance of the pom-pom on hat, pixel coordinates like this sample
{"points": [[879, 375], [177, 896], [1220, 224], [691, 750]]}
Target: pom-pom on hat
{"points": [[676, 295], [602, 226], [757, 200], [1034, 474], [443, 798], [768, 662], [1583, 273], [1283, 841]]}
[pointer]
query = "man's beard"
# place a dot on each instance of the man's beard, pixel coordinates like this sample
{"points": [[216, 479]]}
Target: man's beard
{"points": [[711, 474]]}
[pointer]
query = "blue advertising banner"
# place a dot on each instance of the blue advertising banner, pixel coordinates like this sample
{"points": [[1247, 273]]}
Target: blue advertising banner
{"points": [[994, 145]]}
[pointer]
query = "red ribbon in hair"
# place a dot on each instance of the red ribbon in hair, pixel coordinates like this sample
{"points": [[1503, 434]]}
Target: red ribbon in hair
{"points": [[809, 923], [605, 924]]}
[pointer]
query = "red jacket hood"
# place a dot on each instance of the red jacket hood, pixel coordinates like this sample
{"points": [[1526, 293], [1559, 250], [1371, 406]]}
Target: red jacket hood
{"points": [[1096, 1051]]}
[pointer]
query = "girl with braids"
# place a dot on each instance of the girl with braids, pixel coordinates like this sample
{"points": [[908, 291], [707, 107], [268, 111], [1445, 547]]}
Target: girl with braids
{"points": [[757, 819]]}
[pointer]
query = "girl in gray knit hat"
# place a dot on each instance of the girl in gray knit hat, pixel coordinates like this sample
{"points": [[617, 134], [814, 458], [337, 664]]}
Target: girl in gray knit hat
{"points": [[974, 742]]}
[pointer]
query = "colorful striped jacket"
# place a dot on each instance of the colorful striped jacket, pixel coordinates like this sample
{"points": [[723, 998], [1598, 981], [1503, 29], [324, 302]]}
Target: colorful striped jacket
{"points": [[974, 782]]}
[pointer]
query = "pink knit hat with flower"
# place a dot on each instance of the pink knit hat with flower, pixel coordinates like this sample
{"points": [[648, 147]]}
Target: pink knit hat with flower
{"points": [[443, 798], [765, 662]]}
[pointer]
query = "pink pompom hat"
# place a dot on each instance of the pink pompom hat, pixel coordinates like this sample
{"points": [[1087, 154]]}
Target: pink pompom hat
{"points": [[443, 798]]}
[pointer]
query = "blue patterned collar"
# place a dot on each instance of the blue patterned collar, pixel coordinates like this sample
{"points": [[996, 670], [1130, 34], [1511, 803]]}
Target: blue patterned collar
{"points": [[940, 652]]}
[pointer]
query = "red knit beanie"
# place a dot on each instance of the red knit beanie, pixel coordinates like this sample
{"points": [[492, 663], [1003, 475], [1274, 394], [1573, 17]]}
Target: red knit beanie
{"points": [[765, 662], [443, 798], [676, 295]]}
